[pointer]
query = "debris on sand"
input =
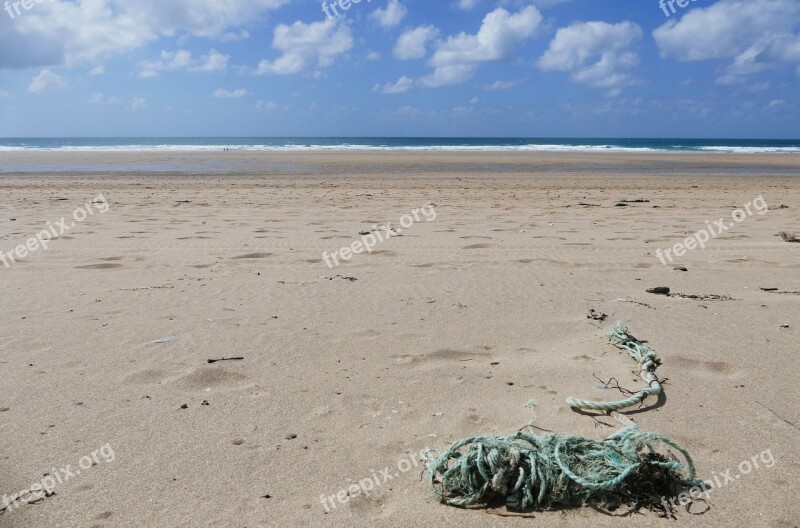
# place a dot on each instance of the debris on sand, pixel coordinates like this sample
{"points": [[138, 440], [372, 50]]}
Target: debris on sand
{"points": [[595, 315], [789, 237], [703, 297], [660, 290], [780, 292], [226, 359], [351, 279]]}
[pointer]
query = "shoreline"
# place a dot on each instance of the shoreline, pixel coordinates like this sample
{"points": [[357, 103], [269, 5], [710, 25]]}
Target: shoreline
{"points": [[335, 163]]}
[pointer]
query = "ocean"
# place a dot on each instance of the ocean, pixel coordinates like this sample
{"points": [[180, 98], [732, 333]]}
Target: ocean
{"points": [[290, 144]]}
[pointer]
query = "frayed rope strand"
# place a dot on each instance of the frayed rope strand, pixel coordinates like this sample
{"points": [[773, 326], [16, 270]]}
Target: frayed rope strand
{"points": [[644, 355]]}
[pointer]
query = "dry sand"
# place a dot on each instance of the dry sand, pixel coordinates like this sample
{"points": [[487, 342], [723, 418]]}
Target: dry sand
{"points": [[447, 331]]}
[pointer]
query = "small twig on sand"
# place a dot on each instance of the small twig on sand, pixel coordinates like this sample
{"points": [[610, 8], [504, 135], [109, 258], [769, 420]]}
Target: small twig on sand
{"points": [[636, 302], [778, 416], [226, 359]]}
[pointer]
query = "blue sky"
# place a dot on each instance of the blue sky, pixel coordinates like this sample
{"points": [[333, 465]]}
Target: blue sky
{"points": [[538, 68]]}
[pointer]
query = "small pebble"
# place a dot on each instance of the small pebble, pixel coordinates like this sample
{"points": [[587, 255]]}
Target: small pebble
{"points": [[184, 406], [661, 290]]}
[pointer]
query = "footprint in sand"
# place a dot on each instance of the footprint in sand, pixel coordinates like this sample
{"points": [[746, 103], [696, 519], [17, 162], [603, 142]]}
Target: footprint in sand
{"points": [[441, 356], [149, 377], [214, 378], [719, 368]]}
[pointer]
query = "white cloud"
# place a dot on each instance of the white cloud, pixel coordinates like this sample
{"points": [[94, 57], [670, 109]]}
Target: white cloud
{"points": [[575, 46], [306, 45], [225, 94], [214, 61], [139, 103], [266, 105], [46, 81], [448, 75], [467, 5], [100, 98], [97, 70], [183, 60], [167, 61], [4, 93], [498, 37], [411, 44], [391, 15], [503, 85], [457, 59], [402, 85], [373, 56], [758, 35], [89, 30]]}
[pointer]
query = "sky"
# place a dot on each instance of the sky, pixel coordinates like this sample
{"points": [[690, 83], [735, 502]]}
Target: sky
{"points": [[500, 68]]}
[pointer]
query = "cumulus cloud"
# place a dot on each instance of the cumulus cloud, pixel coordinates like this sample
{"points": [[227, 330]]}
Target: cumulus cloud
{"points": [[100, 98], [402, 85], [45, 82], [497, 38], [448, 75], [412, 43], [458, 57], [183, 60], [503, 85], [139, 103], [69, 33], [391, 15], [757, 35], [595, 53], [305, 46], [225, 94]]}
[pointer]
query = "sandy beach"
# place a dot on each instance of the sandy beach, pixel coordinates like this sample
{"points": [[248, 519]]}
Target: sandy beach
{"points": [[444, 330]]}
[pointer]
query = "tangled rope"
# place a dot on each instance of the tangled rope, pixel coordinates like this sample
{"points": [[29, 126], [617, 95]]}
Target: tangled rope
{"points": [[532, 471]]}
